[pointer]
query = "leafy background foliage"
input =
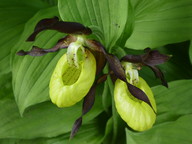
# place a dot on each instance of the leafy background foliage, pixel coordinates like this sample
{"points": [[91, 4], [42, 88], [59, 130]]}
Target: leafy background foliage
{"points": [[127, 26]]}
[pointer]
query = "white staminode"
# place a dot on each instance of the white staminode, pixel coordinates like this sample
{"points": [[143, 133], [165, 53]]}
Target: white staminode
{"points": [[131, 72], [76, 52]]}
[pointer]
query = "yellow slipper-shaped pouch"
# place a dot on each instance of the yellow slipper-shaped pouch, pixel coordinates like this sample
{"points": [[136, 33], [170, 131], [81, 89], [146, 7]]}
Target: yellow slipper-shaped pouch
{"points": [[136, 113], [69, 84]]}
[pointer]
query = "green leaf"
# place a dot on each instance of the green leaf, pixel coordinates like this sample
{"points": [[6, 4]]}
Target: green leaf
{"points": [[31, 75], [106, 16], [160, 22], [51, 2], [174, 101], [177, 132], [190, 52], [7, 141], [13, 15], [106, 97], [128, 26], [6, 86], [42, 120], [108, 131], [90, 133]]}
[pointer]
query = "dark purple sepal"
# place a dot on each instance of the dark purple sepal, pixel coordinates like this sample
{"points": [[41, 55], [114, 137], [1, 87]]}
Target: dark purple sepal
{"points": [[154, 57], [42, 25], [132, 58], [100, 60], [61, 26], [138, 93]]}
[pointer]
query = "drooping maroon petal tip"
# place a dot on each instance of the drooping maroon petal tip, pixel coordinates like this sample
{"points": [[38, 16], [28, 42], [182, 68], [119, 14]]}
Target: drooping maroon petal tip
{"points": [[159, 74], [87, 105], [76, 127], [21, 53]]}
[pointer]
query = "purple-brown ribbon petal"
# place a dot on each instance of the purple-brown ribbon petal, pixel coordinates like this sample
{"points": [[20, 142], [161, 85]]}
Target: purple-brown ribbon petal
{"points": [[87, 105], [61, 26], [36, 51], [138, 93]]}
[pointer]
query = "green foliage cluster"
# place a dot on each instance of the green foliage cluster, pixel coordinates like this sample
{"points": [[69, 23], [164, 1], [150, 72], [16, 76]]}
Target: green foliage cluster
{"points": [[124, 26]]}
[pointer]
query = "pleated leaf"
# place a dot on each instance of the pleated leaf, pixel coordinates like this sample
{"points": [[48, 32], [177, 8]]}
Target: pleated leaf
{"points": [[157, 23], [42, 120], [107, 18], [90, 133], [174, 101], [13, 16], [31, 75], [177, 132]]}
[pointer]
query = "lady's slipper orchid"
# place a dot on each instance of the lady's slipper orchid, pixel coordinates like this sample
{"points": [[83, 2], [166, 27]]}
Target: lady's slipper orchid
{"points": [[136, 113], [74, 76], [69, 83]]}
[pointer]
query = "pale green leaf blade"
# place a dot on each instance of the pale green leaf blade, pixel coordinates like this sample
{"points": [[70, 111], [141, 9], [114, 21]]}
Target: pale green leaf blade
{"points": [[174, 101], [107, 16], [42, 120], [90, 133], [5, 86], [160, 22], [177, 132], [31, 75], [13, 15]]}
